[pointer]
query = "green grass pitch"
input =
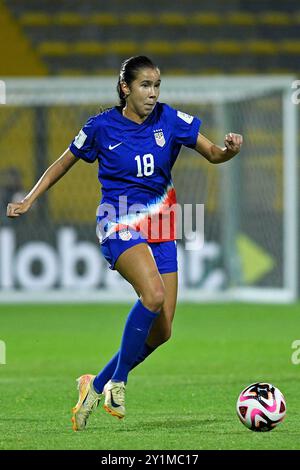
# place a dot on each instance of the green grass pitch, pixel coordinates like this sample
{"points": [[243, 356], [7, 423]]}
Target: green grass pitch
{"points": [[183, 397]]}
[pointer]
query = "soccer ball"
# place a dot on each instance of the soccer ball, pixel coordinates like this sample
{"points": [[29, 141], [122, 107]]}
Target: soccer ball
{"points": [[261, 407]]}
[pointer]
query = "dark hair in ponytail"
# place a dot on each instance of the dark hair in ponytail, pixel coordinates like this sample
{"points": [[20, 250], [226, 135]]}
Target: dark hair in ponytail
{"points": [[128, 72]]}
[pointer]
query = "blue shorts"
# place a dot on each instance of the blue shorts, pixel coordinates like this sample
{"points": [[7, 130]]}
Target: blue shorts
{"points": [[164, 253]]}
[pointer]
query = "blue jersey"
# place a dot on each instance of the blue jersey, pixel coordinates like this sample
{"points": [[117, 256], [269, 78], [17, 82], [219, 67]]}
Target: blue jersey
{"points": [[135, 162]]}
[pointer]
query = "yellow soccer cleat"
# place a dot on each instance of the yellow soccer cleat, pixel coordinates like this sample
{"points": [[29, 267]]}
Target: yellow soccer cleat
{"points": [[87, 402], [114, 403]]}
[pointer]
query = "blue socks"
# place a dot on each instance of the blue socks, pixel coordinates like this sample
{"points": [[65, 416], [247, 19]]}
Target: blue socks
{"points": [[145, 352], [106, 373], [133, 348], [135, 333]]}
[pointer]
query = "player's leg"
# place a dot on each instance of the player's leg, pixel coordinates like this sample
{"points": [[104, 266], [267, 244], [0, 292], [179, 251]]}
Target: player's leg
{"points": [[165, 255], [159, 333], [166, 259], [162, 327], [138, 267]]}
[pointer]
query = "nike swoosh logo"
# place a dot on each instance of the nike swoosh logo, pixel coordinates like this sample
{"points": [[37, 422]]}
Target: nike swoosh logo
{"points": [[111, 147], [114, 404]]}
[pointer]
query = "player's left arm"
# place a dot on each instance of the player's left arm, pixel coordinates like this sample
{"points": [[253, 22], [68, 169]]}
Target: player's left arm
{"points": [[215, 154]]}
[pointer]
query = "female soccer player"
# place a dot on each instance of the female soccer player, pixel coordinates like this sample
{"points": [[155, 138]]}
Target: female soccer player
{"points": [[136, 145]]}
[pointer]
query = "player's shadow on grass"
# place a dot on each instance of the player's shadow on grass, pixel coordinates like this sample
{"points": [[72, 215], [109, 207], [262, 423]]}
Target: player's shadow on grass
{"points": [[171, 424], [22, 420]]}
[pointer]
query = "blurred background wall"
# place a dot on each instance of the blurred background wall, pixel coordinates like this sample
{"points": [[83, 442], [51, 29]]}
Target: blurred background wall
{"points": [[60, 37]]}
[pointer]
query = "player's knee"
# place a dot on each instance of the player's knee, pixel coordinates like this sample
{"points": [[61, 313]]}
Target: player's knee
{"points": [[154, 299]]}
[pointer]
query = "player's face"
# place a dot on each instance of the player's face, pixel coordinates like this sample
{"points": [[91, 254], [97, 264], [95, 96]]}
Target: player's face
{"points": [[143, 92]]}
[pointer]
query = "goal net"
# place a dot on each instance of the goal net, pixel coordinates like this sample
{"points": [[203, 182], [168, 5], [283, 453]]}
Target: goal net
{"points": [[250, 203]]}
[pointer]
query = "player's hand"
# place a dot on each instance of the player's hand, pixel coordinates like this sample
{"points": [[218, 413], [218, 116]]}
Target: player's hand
{"points": [[233, 142], [15, 209]]}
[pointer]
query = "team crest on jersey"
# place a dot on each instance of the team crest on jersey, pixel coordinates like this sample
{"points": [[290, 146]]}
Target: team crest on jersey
{"points": [[125, 235], [159, 138]]}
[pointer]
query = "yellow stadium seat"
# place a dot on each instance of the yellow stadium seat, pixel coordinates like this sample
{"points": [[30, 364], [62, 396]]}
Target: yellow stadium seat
{"points": [[239, 18], [139, 19], [105, 19], [192, 47], [88, 48], [159, 47], [209, 19], [275, 18], [122, 47], [69, 19], [18, 56], [296, 17], [53, 48], [226, 47], [173, 19], [35, 19], [261, 47], [290, 47]]}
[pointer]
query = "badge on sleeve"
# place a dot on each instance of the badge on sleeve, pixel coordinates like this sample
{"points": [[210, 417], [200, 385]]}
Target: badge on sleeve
{"points": [[159, 137], [185, 117], [80, 139]]}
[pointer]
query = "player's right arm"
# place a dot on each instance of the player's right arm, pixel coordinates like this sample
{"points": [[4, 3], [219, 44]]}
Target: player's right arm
{"points": [[48, 179]]}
